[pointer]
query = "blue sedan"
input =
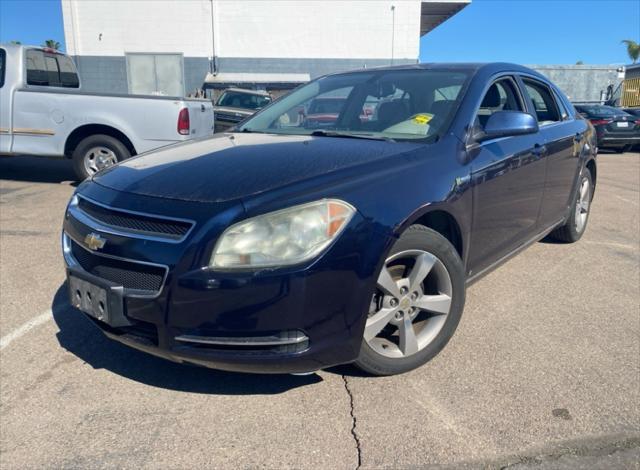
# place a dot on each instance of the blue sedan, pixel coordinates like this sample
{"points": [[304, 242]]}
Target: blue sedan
{"points": [[292, 243]]}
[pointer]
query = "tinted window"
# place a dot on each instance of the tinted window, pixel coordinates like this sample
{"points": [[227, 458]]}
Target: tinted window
{"points": [[543, 102], [398, 104], [68, 74], [53, 73], [36, 68], [3, 56], [501, 96], [600, 110]]}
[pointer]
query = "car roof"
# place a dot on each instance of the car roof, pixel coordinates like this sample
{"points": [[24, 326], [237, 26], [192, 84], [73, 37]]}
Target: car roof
{"points": [[488, 67]]}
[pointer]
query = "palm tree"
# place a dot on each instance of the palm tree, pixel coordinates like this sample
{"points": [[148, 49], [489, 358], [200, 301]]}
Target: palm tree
{"points": [[52, 44], [633, 49]]}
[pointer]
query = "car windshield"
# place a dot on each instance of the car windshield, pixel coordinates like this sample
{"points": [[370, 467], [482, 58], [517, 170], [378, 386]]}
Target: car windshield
{"points": [[238, 99], [385, 104]]}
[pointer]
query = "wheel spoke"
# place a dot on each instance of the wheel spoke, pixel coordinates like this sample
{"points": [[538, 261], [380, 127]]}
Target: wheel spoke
{"points": [[440, 303], [583, 190], [420, 270], [408, 341], [584, 206], [378, 321], [387, 284]]}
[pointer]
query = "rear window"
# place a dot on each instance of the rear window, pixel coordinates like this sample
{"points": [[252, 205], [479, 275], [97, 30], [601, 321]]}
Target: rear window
{"points": [[3, 59], [44, 69], [600, 110]]}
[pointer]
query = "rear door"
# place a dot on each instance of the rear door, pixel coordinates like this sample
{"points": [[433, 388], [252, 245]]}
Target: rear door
{"points": [[40, 122], [508, 178], [563, 139]]}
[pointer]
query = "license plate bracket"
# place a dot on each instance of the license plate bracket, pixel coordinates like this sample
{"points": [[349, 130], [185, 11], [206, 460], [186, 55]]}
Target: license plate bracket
{"points": [[96, 301]]}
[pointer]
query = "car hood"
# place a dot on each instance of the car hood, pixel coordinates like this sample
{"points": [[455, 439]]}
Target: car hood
{"points": [[232, 110], [233, 166]]}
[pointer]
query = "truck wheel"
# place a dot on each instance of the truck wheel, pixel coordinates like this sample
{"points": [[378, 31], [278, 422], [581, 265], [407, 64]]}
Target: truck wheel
{"points": [[417, 304], [97, 152]]}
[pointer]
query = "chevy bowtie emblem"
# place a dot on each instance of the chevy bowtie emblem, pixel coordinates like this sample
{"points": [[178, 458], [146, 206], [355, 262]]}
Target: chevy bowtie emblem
{"points": [[94, 241]]}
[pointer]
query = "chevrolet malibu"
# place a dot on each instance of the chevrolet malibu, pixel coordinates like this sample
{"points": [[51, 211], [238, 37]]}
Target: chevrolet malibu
{"points": [[280, 247]]}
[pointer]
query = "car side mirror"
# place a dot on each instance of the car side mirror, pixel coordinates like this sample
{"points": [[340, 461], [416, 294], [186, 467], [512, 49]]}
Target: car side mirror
{"points": [[508, 123]]}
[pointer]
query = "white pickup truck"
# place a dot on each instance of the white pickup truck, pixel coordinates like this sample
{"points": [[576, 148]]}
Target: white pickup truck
{"points": [[43, 111]]}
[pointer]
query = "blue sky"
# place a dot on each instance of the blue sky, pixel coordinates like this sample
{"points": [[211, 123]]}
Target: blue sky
{"points": [[523, 31]]}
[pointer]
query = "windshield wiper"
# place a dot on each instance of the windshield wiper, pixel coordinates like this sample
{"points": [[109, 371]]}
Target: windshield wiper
{"points": [[349, 135]]}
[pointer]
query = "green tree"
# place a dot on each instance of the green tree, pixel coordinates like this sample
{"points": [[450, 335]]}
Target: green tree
{"points": [[15, 42], [579, 63], [633, 49], [51, 43]]}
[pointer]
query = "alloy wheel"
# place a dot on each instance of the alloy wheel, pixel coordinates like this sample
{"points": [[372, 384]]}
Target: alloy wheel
{"points": [[411, 304], [582, 204]]}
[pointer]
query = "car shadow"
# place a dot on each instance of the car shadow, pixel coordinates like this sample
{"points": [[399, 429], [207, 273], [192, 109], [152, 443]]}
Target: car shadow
{"points": [[37, 170], [81, 337]]}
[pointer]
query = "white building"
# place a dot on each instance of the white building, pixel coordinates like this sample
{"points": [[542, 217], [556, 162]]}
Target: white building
{"points": [[169, 47]]}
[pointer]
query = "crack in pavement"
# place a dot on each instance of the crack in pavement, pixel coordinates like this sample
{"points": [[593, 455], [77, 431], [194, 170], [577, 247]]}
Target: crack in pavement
{"points": [[353, 422]]}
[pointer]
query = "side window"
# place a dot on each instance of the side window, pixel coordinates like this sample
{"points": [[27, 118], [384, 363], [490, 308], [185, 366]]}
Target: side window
{"points": [[36, 69], [53, 74], [3, 60], [501, 96], [543, 103], [68, 73]]}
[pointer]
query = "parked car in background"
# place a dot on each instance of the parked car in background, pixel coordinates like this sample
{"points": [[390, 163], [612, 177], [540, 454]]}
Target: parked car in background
{"points": [[236, 104], [277, 248], [44, 112], [615, 128]]}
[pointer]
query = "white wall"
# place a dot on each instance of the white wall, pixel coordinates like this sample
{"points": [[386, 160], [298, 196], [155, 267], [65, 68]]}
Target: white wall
{"points": [[244, 28]]}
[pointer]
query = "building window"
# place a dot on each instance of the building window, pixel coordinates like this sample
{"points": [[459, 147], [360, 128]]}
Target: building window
{"points": [[155, 74]]}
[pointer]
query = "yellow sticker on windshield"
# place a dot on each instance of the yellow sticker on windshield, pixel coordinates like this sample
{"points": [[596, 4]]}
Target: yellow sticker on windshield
{"points": [[422, 118]]}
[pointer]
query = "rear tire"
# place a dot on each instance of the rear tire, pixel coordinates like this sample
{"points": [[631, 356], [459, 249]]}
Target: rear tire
{"points": [[576, 224], [97, 152], [430, 308]]}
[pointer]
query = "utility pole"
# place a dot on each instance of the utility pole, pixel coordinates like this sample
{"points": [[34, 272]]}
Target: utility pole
{"points": [[393, 31]]}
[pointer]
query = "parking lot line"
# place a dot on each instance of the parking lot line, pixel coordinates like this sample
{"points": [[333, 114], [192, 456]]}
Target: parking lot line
{"points": [[25, 328]]}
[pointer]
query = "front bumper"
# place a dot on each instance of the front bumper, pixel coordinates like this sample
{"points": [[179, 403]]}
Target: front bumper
{"points": [[298, 319]]}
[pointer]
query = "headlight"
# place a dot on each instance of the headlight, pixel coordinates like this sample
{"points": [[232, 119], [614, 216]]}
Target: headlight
{"points": [[284, 237]]}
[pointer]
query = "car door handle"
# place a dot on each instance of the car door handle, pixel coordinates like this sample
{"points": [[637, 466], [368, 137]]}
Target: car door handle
{"points": [[539, 150]]}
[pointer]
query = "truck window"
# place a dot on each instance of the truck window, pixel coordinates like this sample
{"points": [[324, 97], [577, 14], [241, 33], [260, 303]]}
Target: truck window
{"points": [[53, 73], [3, 59], [68, 73], [36, 69]]}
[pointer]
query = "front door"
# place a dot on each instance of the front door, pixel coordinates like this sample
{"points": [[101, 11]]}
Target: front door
{"points": [[508, 176]]}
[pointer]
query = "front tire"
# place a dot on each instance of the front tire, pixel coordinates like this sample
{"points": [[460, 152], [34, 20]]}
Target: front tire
{"points": [[576, 224], [417, 305], [97, 152]]}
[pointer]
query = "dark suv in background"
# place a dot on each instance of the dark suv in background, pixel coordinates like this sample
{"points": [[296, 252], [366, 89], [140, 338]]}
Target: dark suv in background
{"points": [[236, 104]]}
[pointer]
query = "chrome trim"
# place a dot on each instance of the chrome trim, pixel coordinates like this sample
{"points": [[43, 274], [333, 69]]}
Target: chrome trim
{"points": [[242, 341], [135, 293], [90, 221]]}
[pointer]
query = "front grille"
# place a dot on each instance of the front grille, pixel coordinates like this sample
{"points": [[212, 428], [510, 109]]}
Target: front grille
{"points": [[135, 222], [128, 274], [228, 117]]}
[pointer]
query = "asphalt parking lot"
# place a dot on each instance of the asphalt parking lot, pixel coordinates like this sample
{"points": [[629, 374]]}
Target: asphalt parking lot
{"points": [[544, 371]]}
